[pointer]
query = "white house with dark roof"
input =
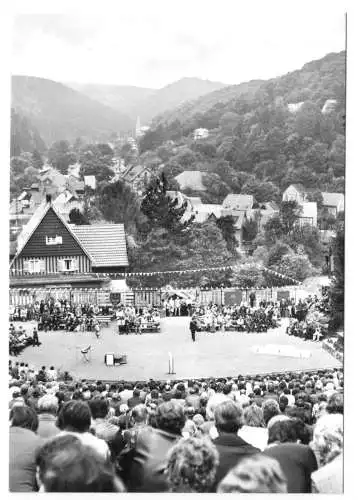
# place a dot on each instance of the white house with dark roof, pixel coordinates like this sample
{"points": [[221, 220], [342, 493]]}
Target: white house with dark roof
{"points": [[333, 203]]}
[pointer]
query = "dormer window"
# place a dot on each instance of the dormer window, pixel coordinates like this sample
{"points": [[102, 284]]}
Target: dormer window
{"points": [[56, 240]]}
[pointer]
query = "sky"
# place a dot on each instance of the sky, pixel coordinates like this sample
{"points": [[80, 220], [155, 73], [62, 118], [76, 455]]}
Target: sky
{"points": [[154, 43]]}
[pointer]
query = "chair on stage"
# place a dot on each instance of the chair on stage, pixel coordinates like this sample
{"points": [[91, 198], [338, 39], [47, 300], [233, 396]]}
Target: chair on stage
{"points": [[86, 354]]}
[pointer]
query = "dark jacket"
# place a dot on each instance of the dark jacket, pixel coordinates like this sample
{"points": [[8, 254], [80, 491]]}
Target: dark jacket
{"points": [[297, 462], [143, 467], [134, 401], [232, 449], [23, 444]]}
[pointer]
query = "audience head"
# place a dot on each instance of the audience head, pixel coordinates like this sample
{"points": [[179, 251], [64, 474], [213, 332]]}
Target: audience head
{"points": [[170, 417], [48, 404], [327, 442], [75, 416], [228, 417], [65, 465], [99, 407], [25, 417], [270, 409], [192, 465], [255, 474], [253, 416]]}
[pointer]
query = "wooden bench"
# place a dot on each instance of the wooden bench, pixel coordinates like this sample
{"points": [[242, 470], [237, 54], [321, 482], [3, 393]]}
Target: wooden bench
{"points": [[104, 319]]}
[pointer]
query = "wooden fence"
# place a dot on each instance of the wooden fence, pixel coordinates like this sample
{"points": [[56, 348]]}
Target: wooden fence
{"points": [[144, 297]]}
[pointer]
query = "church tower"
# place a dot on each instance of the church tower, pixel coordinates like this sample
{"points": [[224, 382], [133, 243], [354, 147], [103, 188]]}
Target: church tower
{"points": [[137, 127]]}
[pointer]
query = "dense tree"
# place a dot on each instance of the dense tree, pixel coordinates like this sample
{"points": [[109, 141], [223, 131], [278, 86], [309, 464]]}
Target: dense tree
{"points": [[226, 226], [60, 156], [160, 210], [36, 160], [97, 160], [119, 204], [77, 217], [337, 287], [289, 213], [248, 275]]}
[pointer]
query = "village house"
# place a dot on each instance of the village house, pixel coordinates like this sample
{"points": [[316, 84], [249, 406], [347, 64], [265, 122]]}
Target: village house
{"points": [[51, 252], [238, 202], [295, 192], [200, 133], [333, 203], [191, 179]]}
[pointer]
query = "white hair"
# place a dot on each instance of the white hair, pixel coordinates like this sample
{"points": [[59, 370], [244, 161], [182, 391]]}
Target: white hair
{"points": [[47, 404]]}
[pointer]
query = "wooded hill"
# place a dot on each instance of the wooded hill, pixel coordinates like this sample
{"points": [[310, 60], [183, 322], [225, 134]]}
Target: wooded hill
{"points": [[263, 138]]}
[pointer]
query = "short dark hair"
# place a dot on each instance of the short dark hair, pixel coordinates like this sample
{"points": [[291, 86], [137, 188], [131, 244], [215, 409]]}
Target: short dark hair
{"points": [[170, 417], [228, 417], [75, 415], [67, 466], [98, 407], [25, 417], [270, 408], [283, 431]]}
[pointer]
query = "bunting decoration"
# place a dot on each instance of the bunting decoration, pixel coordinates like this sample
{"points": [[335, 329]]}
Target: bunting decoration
{"points": [[188, 271]]}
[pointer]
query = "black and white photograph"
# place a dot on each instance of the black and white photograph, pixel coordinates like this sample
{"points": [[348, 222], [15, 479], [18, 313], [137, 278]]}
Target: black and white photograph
{"points": [[175, 307]]}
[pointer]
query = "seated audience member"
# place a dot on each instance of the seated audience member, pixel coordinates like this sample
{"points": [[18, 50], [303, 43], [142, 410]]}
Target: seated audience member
{"points": [[335, 403], [191, 467], [270, 409], [253, 431], [327, 445], [231, 447], [65, 465], [47, 408], [144, 467], [256, 474], [75, 418], [297, 462], [102, 428], [23, 443], [135, 400]]}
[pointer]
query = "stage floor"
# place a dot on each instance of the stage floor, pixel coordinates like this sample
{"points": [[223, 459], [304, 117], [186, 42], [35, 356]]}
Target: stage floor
{"points": [[212, 355]]}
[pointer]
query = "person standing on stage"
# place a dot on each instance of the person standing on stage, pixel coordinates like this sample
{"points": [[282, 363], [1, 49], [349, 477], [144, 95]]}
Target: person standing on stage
{"points": [[193, 328], [35, 338]]}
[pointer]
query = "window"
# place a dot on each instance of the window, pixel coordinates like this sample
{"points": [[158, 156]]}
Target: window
{"points": [[67, 264], [34, 266], [56, 240]]}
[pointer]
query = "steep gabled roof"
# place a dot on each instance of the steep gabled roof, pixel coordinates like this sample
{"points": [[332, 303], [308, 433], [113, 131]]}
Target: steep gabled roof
{"points": [[106, 243], [299, 187], [34, 222], [333, 199], [238, 202]]}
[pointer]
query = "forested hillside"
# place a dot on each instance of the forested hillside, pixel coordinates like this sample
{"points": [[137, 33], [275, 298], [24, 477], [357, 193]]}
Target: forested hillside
{"points": [[264, 138], [59, 112], [24, 136]]}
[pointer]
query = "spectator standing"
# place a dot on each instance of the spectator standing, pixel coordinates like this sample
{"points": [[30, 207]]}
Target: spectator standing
{"points": [[147, 462], [23, 444], [231, 447]]}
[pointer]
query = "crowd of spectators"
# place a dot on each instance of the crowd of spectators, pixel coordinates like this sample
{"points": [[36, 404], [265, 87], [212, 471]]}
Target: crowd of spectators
{"points": [[60, 315], [130, 320], [240, 318], [272, 433]]}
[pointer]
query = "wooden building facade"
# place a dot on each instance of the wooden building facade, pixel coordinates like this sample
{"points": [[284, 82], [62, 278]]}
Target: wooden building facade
{"points": [[52, 252]]}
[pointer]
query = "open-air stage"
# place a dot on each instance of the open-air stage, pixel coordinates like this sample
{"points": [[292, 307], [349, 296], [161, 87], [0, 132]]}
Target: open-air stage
{"points": [[212, 355]]}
